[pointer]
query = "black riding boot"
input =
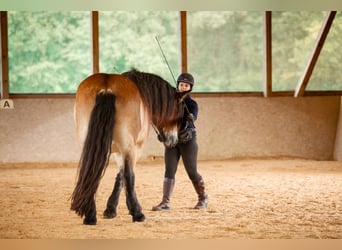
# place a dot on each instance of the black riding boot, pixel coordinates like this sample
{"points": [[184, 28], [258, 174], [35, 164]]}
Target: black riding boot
{"points": [[167, 192], [202, 196]]}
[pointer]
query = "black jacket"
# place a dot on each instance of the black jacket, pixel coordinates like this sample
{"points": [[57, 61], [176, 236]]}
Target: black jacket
{"points": [[190, 106]]}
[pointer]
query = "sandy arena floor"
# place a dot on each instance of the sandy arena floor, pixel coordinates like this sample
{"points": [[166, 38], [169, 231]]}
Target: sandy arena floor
{"points": [[248, 199]]}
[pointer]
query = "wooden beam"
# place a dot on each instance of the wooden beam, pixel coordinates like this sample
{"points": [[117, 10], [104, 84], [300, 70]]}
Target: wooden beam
{"points": [[95, 41], [303, 82], [4, 55], [268, 53], [183, 41]]}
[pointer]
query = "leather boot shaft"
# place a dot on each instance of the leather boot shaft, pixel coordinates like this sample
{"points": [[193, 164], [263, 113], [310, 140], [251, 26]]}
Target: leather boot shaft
{"points": [[202, 196], [168, 186]]}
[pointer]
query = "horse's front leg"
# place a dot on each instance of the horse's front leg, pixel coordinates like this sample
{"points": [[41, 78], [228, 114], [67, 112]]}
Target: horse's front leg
{"points": [[113, 200], [131, 198]]}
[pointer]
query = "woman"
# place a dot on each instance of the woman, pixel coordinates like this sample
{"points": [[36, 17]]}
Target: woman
{"points": [[187, 148]]}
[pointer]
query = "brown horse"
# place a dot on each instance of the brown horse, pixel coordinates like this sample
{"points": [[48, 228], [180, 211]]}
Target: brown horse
{"points": [[113, 114]]}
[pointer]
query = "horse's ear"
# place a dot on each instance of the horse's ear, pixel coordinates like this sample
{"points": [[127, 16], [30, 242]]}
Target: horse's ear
{"points": [[181, 95]]}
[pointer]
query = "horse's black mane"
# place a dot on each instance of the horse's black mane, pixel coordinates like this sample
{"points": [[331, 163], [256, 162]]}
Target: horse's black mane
{"points": [[157, 94]]}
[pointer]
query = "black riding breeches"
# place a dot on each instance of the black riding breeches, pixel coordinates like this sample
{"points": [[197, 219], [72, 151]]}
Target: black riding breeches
{"points": [[188, 151]]}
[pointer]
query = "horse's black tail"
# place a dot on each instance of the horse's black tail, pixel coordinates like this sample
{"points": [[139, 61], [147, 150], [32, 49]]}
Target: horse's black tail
{"points": [[95, 154]]}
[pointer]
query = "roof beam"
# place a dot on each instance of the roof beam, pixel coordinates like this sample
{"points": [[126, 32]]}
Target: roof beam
{"points": [[303, 82], [268, 53]]}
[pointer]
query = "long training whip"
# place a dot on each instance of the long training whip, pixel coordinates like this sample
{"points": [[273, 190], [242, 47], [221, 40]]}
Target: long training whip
{"points": [[167, 63]]}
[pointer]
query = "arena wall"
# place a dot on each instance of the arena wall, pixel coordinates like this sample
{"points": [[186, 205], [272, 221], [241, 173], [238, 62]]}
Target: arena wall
{"points": [[338, 140], [42, 130]]}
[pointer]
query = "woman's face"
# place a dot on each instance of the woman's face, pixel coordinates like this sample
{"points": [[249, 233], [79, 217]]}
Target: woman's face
{"points": [[184, 86]]}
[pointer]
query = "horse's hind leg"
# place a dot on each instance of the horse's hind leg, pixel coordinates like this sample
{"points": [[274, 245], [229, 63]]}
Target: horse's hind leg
{"points": [[113, 200], [131, 198], [90, 216]]}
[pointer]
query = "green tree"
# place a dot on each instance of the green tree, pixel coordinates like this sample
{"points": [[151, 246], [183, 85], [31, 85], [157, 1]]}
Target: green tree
{"points": [[49, 52], [327, 74], [293, 37], [225, 50], [128, 39]]}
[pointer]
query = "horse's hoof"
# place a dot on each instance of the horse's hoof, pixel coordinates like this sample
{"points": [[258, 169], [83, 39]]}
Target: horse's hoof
{"points": [[90, 221], [109, 213], [138, 218]]}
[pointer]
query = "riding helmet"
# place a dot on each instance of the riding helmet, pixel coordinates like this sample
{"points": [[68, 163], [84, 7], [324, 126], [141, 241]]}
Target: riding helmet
{"points": [[186, 77]]}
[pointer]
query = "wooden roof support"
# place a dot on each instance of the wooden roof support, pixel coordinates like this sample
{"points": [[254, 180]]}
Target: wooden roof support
{"points": [[183, 42], [4, 55], [303, 82], [95, 41], [268, 54]]}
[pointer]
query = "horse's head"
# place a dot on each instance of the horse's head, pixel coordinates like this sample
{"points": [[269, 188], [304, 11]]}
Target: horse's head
{"points": [[168, 126], [168, 134], [169, 138], [164, 102]]}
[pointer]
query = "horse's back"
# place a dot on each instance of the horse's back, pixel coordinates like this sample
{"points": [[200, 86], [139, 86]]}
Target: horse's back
{"points": [[131, 116], [121, 86], [123, 89]]}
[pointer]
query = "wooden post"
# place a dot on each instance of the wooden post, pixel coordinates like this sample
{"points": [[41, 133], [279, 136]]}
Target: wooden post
{"points": [[183, 41], [268, 54], [4, 55], [95, 41]]}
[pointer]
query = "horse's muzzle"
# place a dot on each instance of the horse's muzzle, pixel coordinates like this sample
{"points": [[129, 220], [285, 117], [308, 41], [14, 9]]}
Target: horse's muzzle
{"points": [[171, 139]]}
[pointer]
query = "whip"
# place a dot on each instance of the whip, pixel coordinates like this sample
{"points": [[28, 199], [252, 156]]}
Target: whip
{"points": [[167, 63], [174, 79]]}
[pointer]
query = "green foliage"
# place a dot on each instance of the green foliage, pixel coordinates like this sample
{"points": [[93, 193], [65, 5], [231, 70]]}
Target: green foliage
{"points": [[128, 39], [294, 36], [50, 52], [225, 50], [327, 74]]}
